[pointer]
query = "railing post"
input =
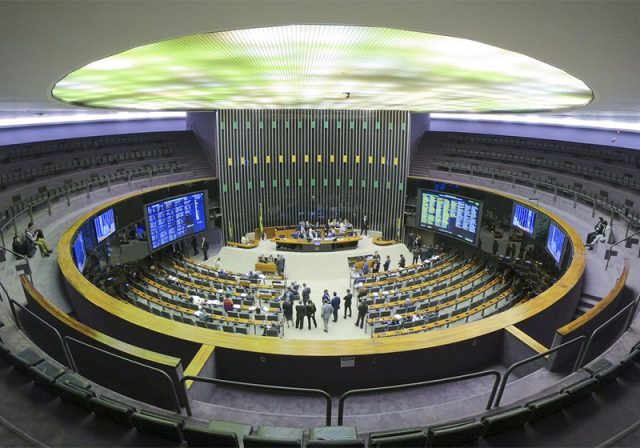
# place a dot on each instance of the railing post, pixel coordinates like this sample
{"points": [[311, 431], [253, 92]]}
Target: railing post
{"points": [[49, 206], [88, 190], [2, 237], [30, 212], [68, 200], [109, 184]]}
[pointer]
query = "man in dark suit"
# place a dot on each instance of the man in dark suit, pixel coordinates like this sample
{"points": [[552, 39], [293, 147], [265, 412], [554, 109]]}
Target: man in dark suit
{"points": [[335, 304], [364, 228], [306, 293], [362, 312], [347, 303], [194, 244], [301, 312], [387, 263], [311, 313]]}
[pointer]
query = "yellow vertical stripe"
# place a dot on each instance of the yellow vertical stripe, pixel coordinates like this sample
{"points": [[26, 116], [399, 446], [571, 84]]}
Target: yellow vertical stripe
{"points": [[230, 161]]}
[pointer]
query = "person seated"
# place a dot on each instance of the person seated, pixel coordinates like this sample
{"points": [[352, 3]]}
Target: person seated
{"points": [[42, 243], [227, 303], [244, 240], [23, 247], [603, 237], [331, 235]]}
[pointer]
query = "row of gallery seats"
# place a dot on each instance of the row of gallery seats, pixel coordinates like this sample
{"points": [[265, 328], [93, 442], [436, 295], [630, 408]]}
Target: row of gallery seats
{"points": [[76, 391], [589, 173], [28, 179]]}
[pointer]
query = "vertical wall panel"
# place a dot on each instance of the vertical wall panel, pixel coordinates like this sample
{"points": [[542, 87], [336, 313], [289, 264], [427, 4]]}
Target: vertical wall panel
{"points": [[301, 172]]}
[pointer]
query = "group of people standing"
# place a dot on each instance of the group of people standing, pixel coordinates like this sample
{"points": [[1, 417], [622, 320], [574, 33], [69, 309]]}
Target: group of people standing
{"points": [[304, 307]]}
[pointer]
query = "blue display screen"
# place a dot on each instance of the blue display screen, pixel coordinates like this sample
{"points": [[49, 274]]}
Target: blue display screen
{"points": [[79, 252], [105, 224], [555, 242], [523, 218], [451, 214], [175, 218]]}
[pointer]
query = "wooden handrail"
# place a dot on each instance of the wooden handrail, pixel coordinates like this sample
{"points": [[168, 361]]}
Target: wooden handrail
{"points": [[569, 281], [598, 307], [95, 335]]}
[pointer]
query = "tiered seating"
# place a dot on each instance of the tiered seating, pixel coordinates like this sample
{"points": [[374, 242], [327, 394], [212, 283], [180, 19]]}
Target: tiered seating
{"points": [[461, 291], [27, 179], [158, 292], [597, 175]]}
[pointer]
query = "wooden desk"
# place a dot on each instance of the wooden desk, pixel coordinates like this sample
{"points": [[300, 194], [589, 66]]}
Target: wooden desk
{"points": [[266, 267], [293, 244]]}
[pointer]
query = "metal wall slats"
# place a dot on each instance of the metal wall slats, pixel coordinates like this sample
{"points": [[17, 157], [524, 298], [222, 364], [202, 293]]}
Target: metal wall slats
{"points": [[375, 134]]}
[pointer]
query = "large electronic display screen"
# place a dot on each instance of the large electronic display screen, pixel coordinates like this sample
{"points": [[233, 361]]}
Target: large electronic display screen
{"points": [[555, 242], [175, 218], [105, 224], [79, 252], [450, 214], [523, 218]]}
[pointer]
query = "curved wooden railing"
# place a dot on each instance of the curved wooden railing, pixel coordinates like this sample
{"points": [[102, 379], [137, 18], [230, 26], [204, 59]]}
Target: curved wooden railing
{"points": [[607, 303], [569, 283]]}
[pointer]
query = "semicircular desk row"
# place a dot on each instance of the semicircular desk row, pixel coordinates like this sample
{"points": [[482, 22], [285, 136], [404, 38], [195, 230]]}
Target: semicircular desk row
{"points": [[372, 362]]}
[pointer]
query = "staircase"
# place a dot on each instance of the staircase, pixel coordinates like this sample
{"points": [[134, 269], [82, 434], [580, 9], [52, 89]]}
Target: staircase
{"points": [[586, 302], [195, 158]]}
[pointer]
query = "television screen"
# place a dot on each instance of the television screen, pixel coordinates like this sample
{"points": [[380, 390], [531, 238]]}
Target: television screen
{"points": [[450, 214], [79, 252], [105, 224], [555, 242], [523, 218], [175, 218]]}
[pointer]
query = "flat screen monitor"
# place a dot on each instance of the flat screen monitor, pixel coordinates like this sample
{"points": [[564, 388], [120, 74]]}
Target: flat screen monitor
{"points": [[523, 218], [79, 252], [175, 218], [450, 214], [105, 224], [556, 239]]}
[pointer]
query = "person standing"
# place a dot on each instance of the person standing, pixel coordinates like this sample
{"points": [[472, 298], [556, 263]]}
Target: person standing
{"points": [[402, 262], [205, 249], [364, 228], [287, 310], [311, 313], [306, 293], [194, 244], [326, 296], [387, 263], [335, 304], [347, 303], [301, 312], [416, 255], [362, 313], [376, 266], [217, 264], [280, 264], [326, 312], [365, 267]]}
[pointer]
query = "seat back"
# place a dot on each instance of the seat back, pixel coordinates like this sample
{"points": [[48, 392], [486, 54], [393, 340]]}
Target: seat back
{"points": [[205, 437], [268, 442]]}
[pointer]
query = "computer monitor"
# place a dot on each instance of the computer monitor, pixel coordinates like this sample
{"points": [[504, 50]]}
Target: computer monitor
{"points": [[79, 252], [523, 218], [105, 224], [556, 240]]}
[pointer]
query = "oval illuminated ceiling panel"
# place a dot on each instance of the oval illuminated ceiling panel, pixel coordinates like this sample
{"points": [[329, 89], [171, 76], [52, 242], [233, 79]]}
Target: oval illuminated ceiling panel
{"points": [[322, 67]]}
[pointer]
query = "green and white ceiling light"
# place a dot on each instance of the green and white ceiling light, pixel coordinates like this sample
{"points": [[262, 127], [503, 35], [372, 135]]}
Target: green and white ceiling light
{"points": [[322, 67]]}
